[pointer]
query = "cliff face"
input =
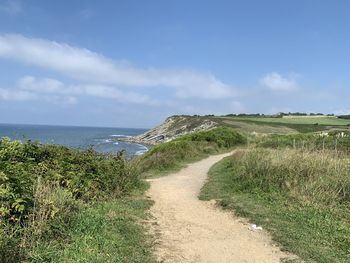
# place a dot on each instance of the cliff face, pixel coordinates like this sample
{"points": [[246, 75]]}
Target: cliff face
{"points": [[173, 127]]}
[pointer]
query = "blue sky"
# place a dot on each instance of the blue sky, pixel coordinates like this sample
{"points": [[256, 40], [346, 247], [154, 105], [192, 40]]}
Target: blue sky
{"points": [[133, 63]]}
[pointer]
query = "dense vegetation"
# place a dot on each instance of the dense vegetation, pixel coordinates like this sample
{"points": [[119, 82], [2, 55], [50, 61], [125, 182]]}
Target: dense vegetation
{"points": [[57, 203], [334, 140], [301, 197], [173, 154], [102, 232], [43, 186], [65, 205]]}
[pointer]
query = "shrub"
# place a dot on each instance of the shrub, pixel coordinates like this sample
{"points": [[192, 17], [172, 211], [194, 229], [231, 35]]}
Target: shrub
{"points": [[194, 145], [42, 185], [222, 136], [168, 155]]}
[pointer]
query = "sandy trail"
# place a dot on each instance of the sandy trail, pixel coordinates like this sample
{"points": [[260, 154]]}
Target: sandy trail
{"points": [[190, 230]]}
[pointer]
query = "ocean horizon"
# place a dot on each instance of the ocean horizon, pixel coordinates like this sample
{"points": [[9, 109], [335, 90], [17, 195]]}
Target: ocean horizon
{"points": [[101, 139]]}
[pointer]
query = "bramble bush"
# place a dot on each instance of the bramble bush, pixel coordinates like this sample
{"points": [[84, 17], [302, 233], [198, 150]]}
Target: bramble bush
{"points": [[41, 184]]}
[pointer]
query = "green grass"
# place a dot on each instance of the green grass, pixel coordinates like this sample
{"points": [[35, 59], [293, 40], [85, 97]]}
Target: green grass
{"points": [[47, 190], [63, 205], [301, 198], [174, 155], [309, 141], [260, 125], [325, 120], [106, 231]]}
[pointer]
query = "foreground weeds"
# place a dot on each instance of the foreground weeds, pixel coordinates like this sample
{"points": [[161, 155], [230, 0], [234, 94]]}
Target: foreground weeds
{"points": [[108, 231], [301, 197], [43, 188]]}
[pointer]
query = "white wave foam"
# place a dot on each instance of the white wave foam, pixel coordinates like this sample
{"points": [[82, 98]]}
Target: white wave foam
{"points": [[143, 149], [120, 135], [140, 152]]}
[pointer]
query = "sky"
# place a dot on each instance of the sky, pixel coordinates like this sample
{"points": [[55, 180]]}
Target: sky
{"points": [[132, 63]]}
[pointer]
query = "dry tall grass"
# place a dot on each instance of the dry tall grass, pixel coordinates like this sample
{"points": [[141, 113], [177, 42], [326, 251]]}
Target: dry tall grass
{"points": [[320, 177]]}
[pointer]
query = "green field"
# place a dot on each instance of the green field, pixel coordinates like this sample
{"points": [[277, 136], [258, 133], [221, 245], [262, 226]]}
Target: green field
{"points": [[326, 120]]}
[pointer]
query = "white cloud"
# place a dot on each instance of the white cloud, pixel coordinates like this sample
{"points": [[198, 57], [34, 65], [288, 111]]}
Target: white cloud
{"points": [[83, 64], [12, 7], [276, 82], [19, 95], [48, 86], [44, 85], [16, 95], [109, 92]]}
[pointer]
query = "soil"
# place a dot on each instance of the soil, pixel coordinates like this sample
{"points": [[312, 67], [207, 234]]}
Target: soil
{"points": [[190, 230]]}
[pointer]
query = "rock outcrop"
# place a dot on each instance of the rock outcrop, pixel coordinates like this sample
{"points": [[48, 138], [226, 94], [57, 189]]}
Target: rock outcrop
{"points": [[172, 128]]}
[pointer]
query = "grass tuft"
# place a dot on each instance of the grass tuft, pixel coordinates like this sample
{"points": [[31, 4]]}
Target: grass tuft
{"points": [[301, 197]]}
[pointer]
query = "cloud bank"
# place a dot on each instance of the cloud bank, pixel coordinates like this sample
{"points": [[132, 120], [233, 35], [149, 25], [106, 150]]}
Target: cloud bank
{"points": [[90, 67], [32, 88]]}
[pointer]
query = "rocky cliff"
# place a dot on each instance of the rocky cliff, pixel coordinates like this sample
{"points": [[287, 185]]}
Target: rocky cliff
{"points": [[173, 127]]}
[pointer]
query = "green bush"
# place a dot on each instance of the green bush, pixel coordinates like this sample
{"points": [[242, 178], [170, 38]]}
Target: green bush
{"points": [[42, 185], [222, 136], [168, 155], [186, 148], [85, 175]]}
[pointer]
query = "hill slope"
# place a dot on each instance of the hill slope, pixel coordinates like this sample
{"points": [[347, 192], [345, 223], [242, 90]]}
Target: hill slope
{"points": [[179, 125], [174, 127]]}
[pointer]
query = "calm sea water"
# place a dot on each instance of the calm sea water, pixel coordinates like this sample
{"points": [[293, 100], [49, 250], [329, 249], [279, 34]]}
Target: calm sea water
{"points": [[101, 139]]}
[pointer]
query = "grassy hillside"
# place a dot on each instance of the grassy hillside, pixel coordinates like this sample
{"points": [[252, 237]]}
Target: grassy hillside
{"points": [[174, 154], [290, 124], [179, 125], [64, 205], [322, 120], [253, 124]]}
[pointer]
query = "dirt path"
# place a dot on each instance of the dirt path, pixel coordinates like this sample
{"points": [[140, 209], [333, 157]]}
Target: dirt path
{"points": [[190, 230]]}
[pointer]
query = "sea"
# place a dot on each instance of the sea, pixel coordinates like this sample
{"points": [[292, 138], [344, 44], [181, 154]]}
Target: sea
{"points": [[103, 140]]}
